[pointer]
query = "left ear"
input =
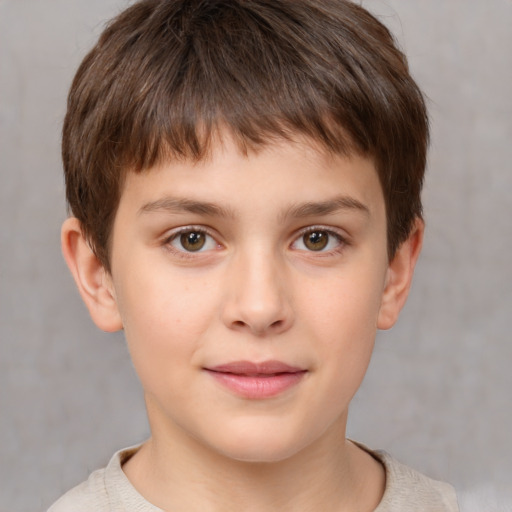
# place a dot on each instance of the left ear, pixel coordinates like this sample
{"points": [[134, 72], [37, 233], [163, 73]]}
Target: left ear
{"points": [[399, 276]]}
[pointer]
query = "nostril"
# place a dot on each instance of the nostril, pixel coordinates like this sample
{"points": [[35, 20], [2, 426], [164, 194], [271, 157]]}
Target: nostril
{"points": [[258, 329]]}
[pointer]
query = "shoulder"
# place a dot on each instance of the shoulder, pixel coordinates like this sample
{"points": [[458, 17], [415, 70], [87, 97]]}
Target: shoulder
{"points": [[106, 490], [407, 489], [89, 495]]}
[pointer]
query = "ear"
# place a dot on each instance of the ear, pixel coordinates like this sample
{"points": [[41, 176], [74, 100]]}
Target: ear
{"points": [[93, 281], [399, 277]]}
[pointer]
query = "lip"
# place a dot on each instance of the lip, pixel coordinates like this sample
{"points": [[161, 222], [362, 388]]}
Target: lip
{"points": [[257, 381]]}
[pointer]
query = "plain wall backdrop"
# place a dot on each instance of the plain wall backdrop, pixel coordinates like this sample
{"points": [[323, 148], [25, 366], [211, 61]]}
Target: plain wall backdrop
{"points": [[438, 392]]}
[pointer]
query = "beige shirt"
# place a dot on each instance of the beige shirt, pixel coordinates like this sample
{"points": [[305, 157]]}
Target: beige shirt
{"points": [[109, 490]]}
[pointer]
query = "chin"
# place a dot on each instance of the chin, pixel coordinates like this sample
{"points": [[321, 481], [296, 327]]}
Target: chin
{"points": [[261, 446]]}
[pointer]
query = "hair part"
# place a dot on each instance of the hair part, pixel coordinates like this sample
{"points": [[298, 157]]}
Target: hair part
{"points": [[167, 76]]}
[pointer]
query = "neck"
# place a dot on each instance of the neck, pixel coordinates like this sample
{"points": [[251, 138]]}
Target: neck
{"points": [[175, 472]]}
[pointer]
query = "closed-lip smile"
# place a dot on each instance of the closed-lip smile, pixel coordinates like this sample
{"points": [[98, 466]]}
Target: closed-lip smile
{"points": [[257, 381]]}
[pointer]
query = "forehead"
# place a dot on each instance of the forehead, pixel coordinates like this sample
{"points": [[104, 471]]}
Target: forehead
{"points": [[282, 175]]}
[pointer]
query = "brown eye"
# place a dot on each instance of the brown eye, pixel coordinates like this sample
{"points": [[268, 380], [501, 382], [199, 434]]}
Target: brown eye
{"points": [[316, 240], [193, 241]]}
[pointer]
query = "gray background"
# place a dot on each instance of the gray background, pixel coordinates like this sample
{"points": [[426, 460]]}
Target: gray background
{"points": [[438, 393]]}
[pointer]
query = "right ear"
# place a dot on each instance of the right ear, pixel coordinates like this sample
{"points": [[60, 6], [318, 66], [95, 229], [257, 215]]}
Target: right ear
{"points": [[93, 281]]}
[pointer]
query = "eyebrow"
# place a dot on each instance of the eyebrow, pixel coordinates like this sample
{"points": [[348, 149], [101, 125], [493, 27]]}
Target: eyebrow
{"points": [[302, 210], [329, 207], [177, 205]]}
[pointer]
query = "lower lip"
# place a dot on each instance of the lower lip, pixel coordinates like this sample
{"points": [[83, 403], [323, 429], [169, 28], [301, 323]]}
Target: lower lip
{"points": [[257, 387]]}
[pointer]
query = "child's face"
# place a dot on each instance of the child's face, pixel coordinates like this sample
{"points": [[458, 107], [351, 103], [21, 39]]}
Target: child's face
{"points": [[277, 259]]}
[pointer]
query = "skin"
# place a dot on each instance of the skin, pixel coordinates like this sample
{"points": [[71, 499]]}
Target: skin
{"points": [[256, 291]]}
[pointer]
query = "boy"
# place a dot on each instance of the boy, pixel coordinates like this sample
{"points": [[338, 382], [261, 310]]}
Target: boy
{"points": [[245, 178]]}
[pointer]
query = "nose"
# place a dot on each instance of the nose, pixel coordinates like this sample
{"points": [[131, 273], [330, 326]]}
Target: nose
{"points": [[258, 296]]}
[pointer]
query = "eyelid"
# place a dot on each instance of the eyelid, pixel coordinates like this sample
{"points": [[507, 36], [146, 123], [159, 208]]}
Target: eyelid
{"points": [[185, 229], [173, 234], [340, 235]]}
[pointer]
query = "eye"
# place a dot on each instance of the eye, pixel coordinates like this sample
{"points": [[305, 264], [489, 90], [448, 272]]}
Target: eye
{"points": [[192, 240], [318, 240]]}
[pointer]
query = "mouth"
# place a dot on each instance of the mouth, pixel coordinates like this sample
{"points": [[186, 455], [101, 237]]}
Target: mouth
{"points": [[257, 381]]}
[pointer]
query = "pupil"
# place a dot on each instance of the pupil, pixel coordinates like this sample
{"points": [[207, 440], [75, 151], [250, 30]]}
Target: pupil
{"points": [[193, 241], [316, 240]]}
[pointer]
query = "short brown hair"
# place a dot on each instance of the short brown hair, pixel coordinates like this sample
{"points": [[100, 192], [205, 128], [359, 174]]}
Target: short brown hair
{"points": [[165, 75]]}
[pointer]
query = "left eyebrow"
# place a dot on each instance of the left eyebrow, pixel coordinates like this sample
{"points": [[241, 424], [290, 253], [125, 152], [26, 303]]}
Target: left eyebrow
{"points": [[329, 207]]}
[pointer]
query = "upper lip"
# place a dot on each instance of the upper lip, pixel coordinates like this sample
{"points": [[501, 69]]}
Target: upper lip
{"points": [[254, 369]]}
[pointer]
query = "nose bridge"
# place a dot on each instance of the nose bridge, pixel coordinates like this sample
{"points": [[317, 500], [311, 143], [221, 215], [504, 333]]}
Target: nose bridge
{"points": [[258, 297]]}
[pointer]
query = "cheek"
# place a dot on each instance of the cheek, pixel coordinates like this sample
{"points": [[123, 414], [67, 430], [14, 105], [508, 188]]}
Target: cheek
{"points": [[345, 305], [164, 320], [158, 302], [343, 318]]}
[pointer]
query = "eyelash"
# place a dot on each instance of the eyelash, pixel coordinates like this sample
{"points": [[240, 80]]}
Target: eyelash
{"points": [[341, 240], [183, 253]]}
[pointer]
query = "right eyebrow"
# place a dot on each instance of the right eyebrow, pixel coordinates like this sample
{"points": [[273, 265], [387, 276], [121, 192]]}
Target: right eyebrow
{"points": [[177, 205]]}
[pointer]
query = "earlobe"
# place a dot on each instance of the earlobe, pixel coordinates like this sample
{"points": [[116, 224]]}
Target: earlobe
{"points": [[399, 277], [93, 281]]}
